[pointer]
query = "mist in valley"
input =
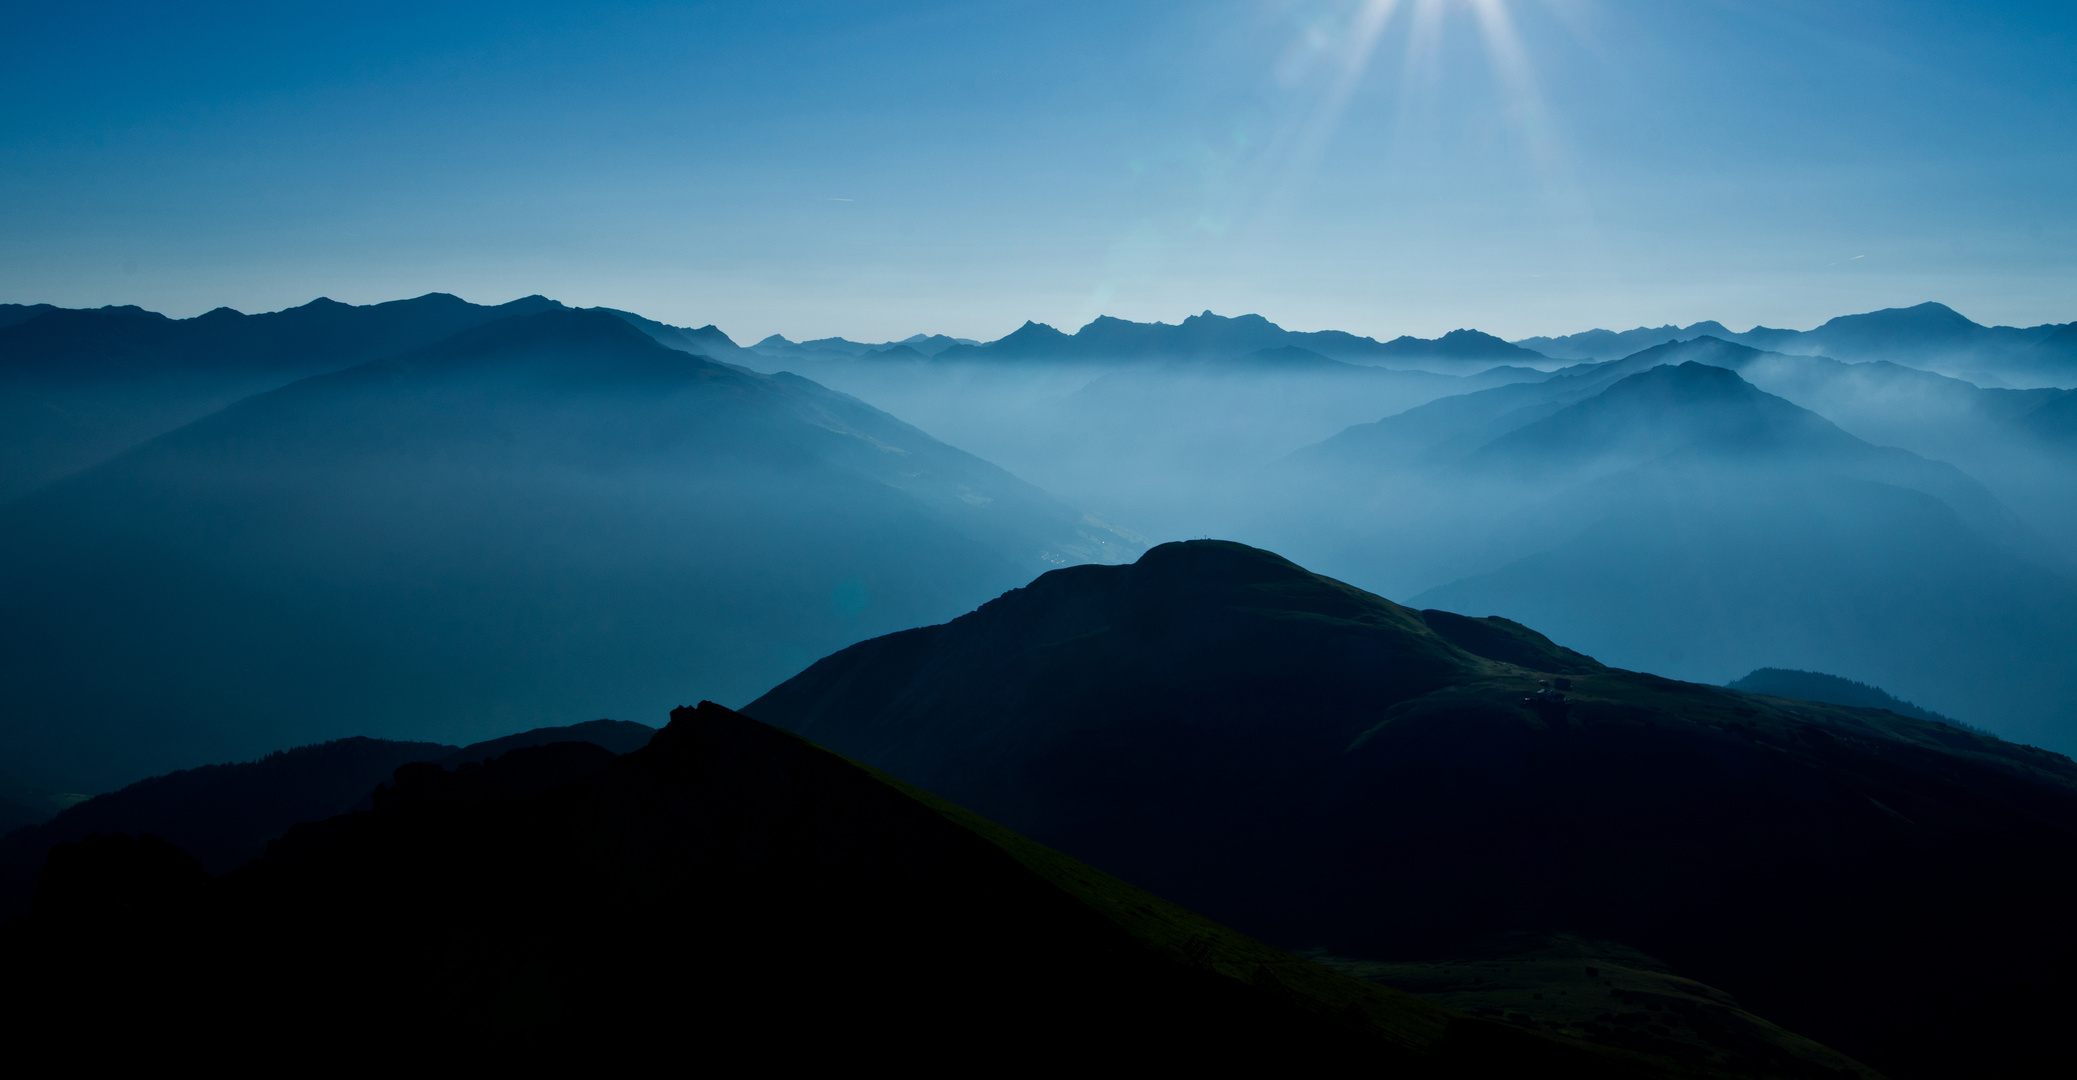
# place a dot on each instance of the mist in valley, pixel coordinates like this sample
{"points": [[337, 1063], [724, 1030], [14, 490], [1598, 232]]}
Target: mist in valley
{"points": [[1697, 508]]}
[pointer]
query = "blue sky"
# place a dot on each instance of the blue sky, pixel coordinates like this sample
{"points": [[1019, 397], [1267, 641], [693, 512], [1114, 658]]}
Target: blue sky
{"points": [[876, 170]]}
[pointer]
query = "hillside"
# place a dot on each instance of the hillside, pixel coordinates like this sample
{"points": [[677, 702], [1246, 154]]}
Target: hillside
{"points": [[543, 517], [224, 815], [780, 895], [1323, 768]]}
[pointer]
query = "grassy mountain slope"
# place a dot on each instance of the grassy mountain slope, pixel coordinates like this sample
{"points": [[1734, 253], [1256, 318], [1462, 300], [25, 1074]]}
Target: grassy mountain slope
{"points": [[542, 517], [1318, 766], [728, 882]]}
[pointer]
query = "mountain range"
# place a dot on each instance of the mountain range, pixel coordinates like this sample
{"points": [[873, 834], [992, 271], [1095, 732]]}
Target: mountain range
{"points": [[79, 385], [544, 516], [1216, 337], [1929, 335], [1663, 510], [1136, 430], [1392, 789]]}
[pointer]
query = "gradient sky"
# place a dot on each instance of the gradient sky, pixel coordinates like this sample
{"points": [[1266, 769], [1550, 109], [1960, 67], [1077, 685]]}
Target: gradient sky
{"points": [[877, 170]]}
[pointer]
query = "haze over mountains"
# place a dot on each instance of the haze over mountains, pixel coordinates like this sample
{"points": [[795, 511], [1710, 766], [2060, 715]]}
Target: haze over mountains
{"points": [[562, 519], [432, 523], [1929, 335], [1683, 519], [543, 518]]}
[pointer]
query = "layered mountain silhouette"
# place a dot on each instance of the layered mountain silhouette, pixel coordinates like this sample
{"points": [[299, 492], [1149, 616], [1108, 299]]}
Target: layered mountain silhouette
{"points": [[913, 347], [2017, 442], [1151, 444], [1663, 511], [1325, 769], [1217, 337], [224, 815], [727, 884], [77, 386], [544, 516], [1614, 345], [1929, 335], [11, 314]]}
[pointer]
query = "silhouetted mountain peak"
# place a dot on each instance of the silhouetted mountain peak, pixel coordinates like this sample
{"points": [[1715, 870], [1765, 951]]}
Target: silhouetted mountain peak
{"points": [[549, 332], [1704, 348], [1459, 344], [1915, 327], [1462, 338], [1250, 322], [1033, 336], [119, 310]]}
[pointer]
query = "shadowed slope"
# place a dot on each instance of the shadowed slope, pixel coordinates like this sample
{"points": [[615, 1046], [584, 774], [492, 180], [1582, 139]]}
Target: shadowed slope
{"points": [[1321, 767], [224, 815], [726, 884]]}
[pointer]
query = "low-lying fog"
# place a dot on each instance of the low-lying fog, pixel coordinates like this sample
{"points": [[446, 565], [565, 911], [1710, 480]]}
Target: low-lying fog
{"points": [[487, 519]]}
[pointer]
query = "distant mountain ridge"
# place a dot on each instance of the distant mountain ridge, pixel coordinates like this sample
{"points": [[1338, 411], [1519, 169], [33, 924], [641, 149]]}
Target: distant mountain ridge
{"points": [[1216, 337], [543, 515], [1663, 511], [915, 346], [79, 385], [1930, 335]]}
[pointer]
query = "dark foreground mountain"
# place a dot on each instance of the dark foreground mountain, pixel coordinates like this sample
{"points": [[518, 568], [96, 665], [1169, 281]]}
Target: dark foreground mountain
{"points": [[543, 516], [224, 815], [1328, 770], [726, 890]]}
